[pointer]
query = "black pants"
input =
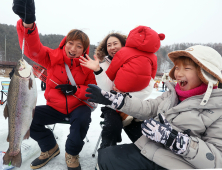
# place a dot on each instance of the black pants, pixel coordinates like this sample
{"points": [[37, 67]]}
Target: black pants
{"points": [[112, 129], [79, 120], [124, 157]]}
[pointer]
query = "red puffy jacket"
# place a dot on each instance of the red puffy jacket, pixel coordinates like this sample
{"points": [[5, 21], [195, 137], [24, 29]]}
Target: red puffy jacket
{"points": [[135, 64], [53, 61]]}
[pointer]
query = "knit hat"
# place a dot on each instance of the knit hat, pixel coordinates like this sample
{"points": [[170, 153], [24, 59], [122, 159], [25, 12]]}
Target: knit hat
{"points": [[209, 62]]}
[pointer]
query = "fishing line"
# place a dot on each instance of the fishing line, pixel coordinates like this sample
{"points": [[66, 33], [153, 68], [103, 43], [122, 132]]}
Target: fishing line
{"points": [[23, 43]]}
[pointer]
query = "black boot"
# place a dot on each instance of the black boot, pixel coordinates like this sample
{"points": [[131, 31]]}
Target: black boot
{"points": [[45, 157]]}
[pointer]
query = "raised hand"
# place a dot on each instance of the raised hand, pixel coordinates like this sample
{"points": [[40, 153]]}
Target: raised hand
{"points": [[89, 63], [25, 9]]}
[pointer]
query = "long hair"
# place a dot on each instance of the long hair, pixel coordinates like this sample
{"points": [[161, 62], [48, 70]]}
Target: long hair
{"points": [[101, 50]]}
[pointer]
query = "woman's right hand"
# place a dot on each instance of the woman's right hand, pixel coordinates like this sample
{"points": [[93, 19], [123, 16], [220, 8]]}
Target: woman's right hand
{"points": [[89, 63]]}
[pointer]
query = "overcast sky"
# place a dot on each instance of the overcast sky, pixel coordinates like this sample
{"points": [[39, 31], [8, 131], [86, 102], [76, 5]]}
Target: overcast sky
{"points": [[196, 21]]}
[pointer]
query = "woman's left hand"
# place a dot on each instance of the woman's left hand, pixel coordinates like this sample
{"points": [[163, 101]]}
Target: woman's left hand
{"points": [[115, 89], [89, 63]]}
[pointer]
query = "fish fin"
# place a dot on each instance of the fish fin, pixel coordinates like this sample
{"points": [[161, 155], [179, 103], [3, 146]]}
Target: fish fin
{"points": [[6, 111], [30, 83], [33, 112], [27, 134], [7, 158], [15, 160], [8, 138]]}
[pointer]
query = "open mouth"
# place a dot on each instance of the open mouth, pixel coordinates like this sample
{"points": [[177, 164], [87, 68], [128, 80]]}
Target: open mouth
{"points": [[182, 83], [73, 55], [113, 53]]}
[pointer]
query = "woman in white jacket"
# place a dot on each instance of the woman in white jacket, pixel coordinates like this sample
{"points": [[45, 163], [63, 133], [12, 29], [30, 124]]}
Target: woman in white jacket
{"points": [[112, 129]]}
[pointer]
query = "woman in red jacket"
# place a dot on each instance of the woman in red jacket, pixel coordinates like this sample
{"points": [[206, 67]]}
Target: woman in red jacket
{"points": [[63, 99]]}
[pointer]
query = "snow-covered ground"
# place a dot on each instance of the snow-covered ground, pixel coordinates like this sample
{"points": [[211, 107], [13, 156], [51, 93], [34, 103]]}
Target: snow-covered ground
{"points": [[61, 130]]}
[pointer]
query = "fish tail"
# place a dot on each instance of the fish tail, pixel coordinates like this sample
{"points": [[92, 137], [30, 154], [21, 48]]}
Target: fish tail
{"points": [[13, 160]]}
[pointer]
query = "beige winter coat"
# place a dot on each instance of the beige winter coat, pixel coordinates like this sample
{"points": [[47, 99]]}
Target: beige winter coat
{"points": [[205, 122]]}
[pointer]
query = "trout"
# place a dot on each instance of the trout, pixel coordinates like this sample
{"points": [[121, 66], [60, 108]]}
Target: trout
{"points": [[19, 109]]}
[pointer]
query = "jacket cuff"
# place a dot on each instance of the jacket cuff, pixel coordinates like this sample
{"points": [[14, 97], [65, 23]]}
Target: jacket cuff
{"points": [[27, 30], [98, 72], [192, 148], [199, 155]]}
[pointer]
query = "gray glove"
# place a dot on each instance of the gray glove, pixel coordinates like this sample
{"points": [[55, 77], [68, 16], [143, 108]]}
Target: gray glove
{"points": [[163, 133], [97, 95]]}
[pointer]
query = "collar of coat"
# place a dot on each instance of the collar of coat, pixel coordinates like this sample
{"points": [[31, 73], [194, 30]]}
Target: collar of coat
{"points": [[173, 97], [170, 105], [108, 59]]}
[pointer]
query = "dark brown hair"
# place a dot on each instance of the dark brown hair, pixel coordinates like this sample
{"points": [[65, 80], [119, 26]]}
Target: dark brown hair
{"points": [[118, 36], [76, 34], [101, 50]]}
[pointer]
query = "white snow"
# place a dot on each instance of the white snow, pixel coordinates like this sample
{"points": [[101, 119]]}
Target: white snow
{"points": [[61, 130]]}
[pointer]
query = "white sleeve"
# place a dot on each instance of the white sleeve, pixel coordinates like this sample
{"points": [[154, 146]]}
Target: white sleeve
{"points": [[103, 80], [143, 94]]}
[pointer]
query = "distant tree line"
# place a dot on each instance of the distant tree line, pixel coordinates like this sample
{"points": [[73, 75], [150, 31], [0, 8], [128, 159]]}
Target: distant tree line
{"points": [[164, 63], [13, 51]]}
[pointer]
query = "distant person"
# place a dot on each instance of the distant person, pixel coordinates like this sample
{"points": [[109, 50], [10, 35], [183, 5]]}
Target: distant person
{"points": [[182, 127], [43, 77], [11, 73], [220, 85], [165, 78], [63, 101], [43, 86]]}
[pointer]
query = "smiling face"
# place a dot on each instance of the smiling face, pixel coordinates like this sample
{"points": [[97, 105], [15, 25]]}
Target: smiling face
{"points": [[186, 75], [113, 46], [74, 48]]}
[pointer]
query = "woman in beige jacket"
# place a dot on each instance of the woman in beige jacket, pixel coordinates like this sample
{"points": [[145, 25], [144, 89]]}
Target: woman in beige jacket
{"points": [[182, 127]]}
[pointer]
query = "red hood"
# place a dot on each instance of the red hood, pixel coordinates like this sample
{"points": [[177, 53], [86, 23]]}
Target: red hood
{"points": [[144, 39]]}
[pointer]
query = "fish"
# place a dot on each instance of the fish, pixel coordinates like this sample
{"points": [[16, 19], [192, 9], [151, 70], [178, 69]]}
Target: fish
{"points": [[19, 109]]}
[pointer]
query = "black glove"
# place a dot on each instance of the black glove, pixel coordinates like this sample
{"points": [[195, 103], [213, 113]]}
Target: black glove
{"points": [[100, 96], [25, 9], [67, 89]]}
